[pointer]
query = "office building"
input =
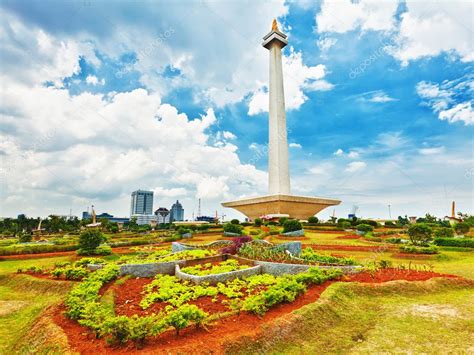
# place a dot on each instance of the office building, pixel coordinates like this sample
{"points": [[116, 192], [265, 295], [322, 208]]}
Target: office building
{"points": [[141, 203], [177, 212]]}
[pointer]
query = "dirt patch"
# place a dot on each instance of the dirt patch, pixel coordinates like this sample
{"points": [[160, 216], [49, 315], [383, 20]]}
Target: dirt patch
{"points": [[9, 307], [220, 332], [434, 311]]}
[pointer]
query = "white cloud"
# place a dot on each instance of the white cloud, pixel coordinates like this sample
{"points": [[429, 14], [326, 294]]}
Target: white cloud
{"points": [[326, 43], [353, 155], [93, 80], [295, 145], [355, 166], [381, 97], [298, 78], [228, 135], [451, 100], [429, 29], [339, 152], [345, 15], [160, 192], [432, 151]]}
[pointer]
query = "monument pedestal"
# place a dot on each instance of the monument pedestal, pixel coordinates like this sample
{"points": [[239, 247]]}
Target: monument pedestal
{"points": [[298, 207]]}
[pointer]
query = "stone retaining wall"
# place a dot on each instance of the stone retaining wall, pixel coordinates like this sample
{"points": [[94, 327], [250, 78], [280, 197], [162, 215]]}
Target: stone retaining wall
{"points": [[214, 279], [278, 269], [176, 246]]}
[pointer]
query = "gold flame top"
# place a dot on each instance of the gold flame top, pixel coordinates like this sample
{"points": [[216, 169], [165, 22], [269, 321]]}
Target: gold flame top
{"points": [[275, 25]]}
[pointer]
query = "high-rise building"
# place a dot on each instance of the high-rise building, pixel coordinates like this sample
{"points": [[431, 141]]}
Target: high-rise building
{"points": [[177, 212], [141, 203]]}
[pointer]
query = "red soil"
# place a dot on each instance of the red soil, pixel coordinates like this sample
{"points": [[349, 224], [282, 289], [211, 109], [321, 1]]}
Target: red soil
{"points": [[117, 250], [351, 236], [412, 256], [350, 247], [212, 340]]}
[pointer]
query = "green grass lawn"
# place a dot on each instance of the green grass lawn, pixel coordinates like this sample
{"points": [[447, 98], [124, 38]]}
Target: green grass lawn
{"points": [[22, 299], [433, 317]]}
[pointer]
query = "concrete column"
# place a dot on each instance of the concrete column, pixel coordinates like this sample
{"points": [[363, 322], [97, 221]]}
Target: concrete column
{"points": [[278, 172]]}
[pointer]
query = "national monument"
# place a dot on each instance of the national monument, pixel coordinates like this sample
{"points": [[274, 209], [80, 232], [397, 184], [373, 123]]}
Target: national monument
{"points": [[279, 202]]}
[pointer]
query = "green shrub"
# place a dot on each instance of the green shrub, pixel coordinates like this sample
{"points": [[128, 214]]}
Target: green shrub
{"points": [[444, 232], [461, 228], [419, 233], [181, 317], [233, 228], [313, 219], [394, 240], [102, 250], [365, 228], [413, 249], [24, 238], [292, 225], [257, 222], [368, 221], [282, 220], [310, 255], [254, 232], [235, 221], [91, 239], [455, 242], [344, 224]]}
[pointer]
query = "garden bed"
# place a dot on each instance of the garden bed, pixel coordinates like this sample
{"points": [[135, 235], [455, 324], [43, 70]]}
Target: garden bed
{"points": [[219, 332]]}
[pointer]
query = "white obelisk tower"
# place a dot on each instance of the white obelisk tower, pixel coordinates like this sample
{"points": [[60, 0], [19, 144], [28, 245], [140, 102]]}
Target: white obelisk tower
{"points": [[279, 202], [278, 172]]}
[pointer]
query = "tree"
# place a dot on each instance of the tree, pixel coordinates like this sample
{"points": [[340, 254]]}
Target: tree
{"points": [[235, 221], [365, 228], [420, 233], [282, 220], [91, 239], [313, 219], [444, 232], [403, 221], [461, 228], [232, 228], [24, 237], [257, 222], [292, 225]]}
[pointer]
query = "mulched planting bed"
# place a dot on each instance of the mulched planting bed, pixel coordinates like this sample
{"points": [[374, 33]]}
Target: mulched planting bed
{"points": [[212, 340]]}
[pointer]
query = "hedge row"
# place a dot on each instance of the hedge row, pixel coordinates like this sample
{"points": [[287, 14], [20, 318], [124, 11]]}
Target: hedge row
{"points": [[18, 249], [455, 242]]}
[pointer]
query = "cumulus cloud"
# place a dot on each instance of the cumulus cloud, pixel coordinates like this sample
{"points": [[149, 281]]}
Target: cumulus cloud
{"points": [[346, 15], [339, 152], [93, 80], [429, 29], [432, 151], [298, 78], [77, 149], [451, 100], [295, 145], [355, 166]]}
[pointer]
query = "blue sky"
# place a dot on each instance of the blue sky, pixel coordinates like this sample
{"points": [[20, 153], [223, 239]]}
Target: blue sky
{"points": [[100, 98]]}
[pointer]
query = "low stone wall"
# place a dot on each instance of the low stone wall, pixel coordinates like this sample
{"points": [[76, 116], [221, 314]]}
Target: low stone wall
{"points": [[293, 247], [151, 269], [278, 269], [176, 246], [216, 278], [298, 233]]}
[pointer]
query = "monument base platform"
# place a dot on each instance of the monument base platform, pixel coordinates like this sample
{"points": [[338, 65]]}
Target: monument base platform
{"points": [[298, 207]]}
